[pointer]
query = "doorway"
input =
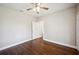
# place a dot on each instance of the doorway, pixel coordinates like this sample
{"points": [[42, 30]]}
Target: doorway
{"points": [[37, 32], [38, 29]]}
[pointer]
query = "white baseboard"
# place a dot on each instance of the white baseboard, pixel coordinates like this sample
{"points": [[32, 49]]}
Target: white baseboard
{"points": [[32, 39], [37, 36], [13, 44], [62, 44]]}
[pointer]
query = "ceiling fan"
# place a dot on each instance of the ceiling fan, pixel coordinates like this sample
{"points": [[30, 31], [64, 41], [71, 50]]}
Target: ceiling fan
{"points": [[37, 7]]}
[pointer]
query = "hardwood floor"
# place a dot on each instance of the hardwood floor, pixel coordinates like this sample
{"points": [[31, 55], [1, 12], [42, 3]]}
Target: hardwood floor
{"points": [[39, 47]]}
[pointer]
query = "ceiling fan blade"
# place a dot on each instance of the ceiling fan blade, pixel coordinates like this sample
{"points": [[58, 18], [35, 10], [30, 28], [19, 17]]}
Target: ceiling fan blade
{"points": [[44, 8], [29, 9]]}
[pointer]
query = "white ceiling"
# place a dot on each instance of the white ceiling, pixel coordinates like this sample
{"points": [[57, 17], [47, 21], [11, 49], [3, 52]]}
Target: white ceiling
{"points": [[53, 7]]}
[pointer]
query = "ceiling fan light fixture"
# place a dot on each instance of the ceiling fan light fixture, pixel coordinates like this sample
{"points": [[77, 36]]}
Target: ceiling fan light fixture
{"points": [[34, 9], [37, 7]]}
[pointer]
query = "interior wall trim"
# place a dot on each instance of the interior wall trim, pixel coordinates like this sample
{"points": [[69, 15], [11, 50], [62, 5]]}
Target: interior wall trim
{"points": [[37, 36], [71, 46], [32, 39], [3, 48]]}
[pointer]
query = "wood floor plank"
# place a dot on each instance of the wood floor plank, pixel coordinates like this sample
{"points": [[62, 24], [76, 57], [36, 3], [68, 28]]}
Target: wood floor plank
{"points": [[39, 47]]}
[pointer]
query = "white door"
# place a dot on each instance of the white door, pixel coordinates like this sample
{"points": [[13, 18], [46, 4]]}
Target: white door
{"points": [[37, 28]]}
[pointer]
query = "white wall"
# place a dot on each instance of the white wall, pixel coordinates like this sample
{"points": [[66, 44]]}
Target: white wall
{"points": [[77, 30], [60, 26], [15, 27]]}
